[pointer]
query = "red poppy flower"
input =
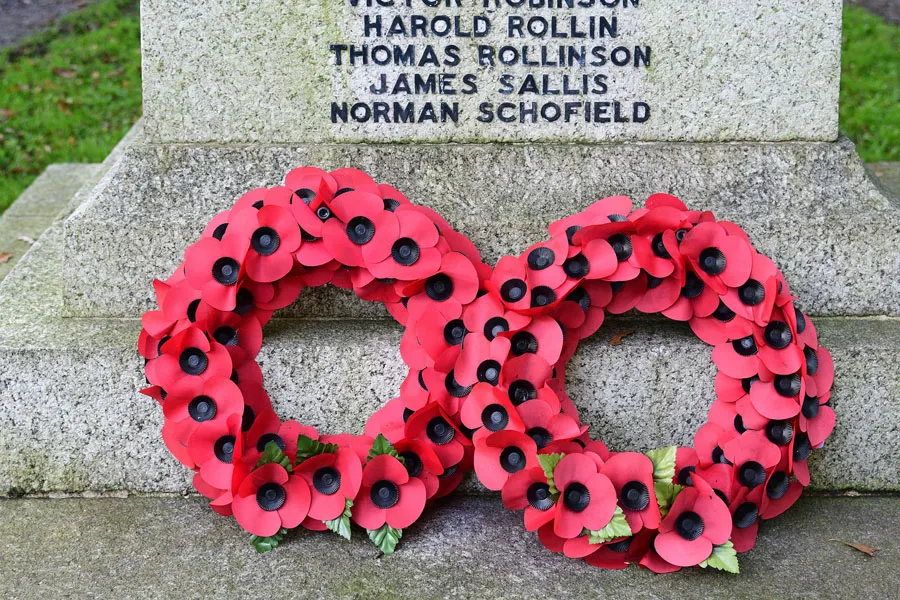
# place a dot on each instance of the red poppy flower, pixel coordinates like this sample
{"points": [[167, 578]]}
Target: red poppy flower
{"points": [[697, 521], [752, 455], [591, 297], [627, 295], [255, 198], [527, 377], [489, 408], [488, 316], [388, 495], [631, 474], [722, 261], [618, 554], [738, 358], [216, 268], [192, 401], [744, 509], [777, 348], [661, 294], [501, 454], [755, 299], [189, 354], [273, 235], [481, 360], [778, 396], [528, 489], [332, 478], [655, 563], [349, 224], [697, 299], [216, 447], [433, 426], [353, 180], [421, 462], [544, 425], [456, 282], [780, 493], [439, 329], [817, 418], [359, 444], [240, 334], [709, 442], [269, 499], [587, 497], [618, 235], [655, 245], [403, 247], [389, 420], [543, 337], [614, 208], [721, 326], [310, 186]]}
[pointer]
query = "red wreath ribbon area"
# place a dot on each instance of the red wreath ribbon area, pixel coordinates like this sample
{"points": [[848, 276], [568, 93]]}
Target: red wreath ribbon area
{"points": [[487, 350]]}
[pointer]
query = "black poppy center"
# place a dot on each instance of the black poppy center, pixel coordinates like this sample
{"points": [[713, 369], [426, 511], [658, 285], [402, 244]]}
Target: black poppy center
{"points": [[454, 332], [265, 241], [621, 245], [712, 261], [689, 525], [745, 346], [541, 258], [193, 361], [513, 290], [752, 474], [494, 417], [390, 204], [489, 372], [523, 343], [225, 271], [801, 322], [542, 295], [439, 287], [778, 485], [581, 298], [780, 432], [778, 335], [219, 232], [494, 327], [224, 448], [623, 546], [439, 431], [787, 385], [521, 390], [693, 286], [405, 251], [635, 495], [327, 480], [270, 496], [248, 417], [192, 310], [512, 459], [227, 336], [802, 447], [684, 475], [454, 388], [412, 462], [541, 436], [576, 497], [385, 494], [723, 313], [539, 496], [659, 247], [360, 230], [752, 293], [264, 440], [577, 266], [324, 213], [812, 360], [202, 408], [810, 408], [745, 515], [243, 301], [305, 195]]}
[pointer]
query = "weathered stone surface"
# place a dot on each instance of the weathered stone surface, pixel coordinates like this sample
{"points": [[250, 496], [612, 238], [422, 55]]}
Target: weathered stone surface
{"points": [[811, 207], [887, 173], [464, 548], [71, 418], [261, 71], [38, 205]]}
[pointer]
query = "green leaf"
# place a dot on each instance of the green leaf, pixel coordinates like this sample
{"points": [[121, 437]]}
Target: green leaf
{"points": [[385, 537], [380, 446], [616, 528], [273, 454], [341, 525], [548, 463], [663, 463], [264, 544], [666, 491], [308, 447], [723, 558]]}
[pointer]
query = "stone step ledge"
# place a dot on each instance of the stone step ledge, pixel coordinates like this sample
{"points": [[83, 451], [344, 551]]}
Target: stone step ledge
{"points": [[463, 548], [810, 206]]}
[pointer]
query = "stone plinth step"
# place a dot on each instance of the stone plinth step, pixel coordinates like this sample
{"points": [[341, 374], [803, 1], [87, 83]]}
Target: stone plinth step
{"points": [[71, 418], [38, 205], [811, 207], [463, 548]]}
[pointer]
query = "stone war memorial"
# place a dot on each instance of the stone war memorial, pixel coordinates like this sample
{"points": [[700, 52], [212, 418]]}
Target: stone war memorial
{"points": [[500, 118]]}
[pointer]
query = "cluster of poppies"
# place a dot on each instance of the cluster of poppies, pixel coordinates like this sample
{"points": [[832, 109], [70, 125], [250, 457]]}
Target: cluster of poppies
{"points": [[487, 350]]}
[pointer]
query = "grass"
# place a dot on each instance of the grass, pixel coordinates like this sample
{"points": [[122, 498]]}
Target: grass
{"points": [[70, 93], [870, 85]]}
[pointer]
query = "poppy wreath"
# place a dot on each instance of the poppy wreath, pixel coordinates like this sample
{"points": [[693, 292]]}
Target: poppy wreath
{"points": [[487, 350]]}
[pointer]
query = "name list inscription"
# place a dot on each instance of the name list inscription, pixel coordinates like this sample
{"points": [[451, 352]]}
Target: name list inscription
{"points": [[491, 61]]}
